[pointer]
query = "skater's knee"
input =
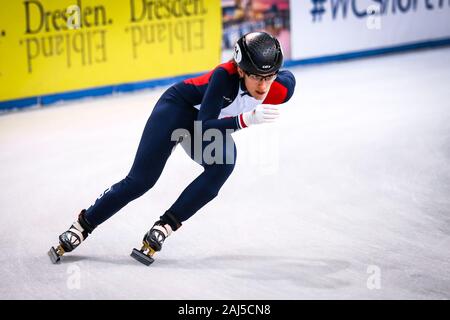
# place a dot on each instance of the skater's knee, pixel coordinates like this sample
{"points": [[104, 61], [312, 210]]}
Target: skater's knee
{"points": [[229, 157], [228, 169], [220, 172], [140, 187], [223, 165], [212, 192], [220, 156], [137, 186]]}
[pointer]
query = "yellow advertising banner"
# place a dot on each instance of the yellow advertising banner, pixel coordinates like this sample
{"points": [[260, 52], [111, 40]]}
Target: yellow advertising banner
{"points": [[53, 46]]}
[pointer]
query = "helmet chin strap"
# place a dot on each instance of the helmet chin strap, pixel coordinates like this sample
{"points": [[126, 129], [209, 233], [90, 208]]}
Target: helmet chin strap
{"points": [[240, 72]]}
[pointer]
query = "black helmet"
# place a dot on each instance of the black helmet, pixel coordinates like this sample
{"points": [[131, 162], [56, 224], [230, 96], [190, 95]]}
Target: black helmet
{"points": [[258, 53]]}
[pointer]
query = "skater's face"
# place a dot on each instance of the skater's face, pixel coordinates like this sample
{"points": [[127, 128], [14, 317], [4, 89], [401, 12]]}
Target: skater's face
{"points": [[258, 86]]}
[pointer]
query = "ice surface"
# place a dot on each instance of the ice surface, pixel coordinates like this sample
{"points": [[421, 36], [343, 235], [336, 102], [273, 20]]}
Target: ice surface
{"points": [[351, 186]]}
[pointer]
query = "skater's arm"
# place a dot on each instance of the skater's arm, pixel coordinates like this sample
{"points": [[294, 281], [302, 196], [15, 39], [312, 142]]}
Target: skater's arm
{"points": [[212, 103], [280, 92], [282, 88]]}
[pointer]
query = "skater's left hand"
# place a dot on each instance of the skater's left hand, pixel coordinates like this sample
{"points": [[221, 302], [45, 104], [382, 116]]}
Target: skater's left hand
{"points": [[263, 113]]}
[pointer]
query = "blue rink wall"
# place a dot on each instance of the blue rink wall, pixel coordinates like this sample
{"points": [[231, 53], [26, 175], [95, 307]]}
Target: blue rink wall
{"points": [[128, 87]]}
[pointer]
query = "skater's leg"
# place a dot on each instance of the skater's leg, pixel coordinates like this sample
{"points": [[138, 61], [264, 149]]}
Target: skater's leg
{"points": [[202, 190], [207, 185], [154, 149]]}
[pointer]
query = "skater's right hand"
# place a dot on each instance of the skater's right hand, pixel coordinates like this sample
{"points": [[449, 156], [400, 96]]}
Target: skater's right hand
{"points": [[263, 113]]}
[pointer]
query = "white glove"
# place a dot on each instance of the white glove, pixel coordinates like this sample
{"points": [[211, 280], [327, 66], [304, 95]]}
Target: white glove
{"points": [[263, 113]]}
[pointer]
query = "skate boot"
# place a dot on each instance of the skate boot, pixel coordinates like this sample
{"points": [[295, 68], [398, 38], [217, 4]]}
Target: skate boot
{"points": [[71, 238], [154, 238]]}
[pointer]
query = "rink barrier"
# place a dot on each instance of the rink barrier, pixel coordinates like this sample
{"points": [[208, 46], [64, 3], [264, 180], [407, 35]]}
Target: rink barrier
{"points": [[134, 86], [369, 53]]}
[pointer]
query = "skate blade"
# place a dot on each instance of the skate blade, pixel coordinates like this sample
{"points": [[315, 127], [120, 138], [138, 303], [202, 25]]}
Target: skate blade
{"points": [[141, 257], [54, 256]]}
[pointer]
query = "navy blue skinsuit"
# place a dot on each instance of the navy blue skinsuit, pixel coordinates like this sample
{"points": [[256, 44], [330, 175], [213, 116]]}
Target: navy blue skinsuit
{"points": [[174, 110]]}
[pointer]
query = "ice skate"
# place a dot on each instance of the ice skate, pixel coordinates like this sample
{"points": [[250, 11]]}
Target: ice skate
{"points": [[71, 238], [152, 242]]}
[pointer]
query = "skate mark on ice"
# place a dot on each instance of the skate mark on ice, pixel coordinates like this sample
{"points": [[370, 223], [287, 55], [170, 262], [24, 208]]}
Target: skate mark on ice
{"points": [[115, 260], [72, 258], [304, 272]]}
